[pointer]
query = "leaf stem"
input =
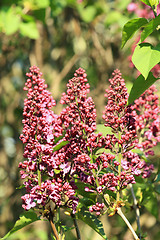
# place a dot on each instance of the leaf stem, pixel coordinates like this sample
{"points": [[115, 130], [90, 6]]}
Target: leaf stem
{"points": [[119, 211]]}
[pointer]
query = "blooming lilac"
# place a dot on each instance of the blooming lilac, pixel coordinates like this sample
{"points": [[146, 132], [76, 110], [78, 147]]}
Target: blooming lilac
{"points": [[88, 157], [147, 113], [41, 128]]}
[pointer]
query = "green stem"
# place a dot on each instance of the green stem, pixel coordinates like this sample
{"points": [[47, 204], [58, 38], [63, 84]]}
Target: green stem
{"points": [[39, 177]]}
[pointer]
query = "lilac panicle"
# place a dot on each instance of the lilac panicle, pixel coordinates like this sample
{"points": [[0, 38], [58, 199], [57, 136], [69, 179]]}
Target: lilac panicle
{"points": [[41, 128], [146, 111], [124, 123]]}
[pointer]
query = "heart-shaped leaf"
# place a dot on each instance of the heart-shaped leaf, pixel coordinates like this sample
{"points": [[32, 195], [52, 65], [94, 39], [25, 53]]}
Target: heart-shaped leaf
{"points": [[145, 57]]}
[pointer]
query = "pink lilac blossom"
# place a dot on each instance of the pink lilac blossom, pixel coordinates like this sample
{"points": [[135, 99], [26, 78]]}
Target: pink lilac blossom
{"points": [[79, 123], [125, 123], [117, 114], [41, 128], [146, 112]]}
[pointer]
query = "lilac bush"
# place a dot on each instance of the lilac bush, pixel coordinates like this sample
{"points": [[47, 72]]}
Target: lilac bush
{"points": [[64, 154]]}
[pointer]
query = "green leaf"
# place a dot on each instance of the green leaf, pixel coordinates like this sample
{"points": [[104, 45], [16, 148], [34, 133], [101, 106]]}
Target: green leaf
{"points": [[29, 29], [56, 140], [37, 4], [157, 178], [81, 190], [87, 14], [104, 130], [146, 2], [85, 202], [60, 145], [139, 86], [131, 27], [157, 189], [150, 27], [152, 204], [9, 21], [25, 219], [145, 57], [141, 154], [92, 221], [42, 3], [140, 180], [154, 2], [40, 14], [66, 229]]}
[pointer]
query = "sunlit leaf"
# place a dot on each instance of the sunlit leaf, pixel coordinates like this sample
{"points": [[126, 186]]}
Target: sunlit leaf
{"points": [[29, 29], [9, 20], [104, 130], [145, 57], [87, 14], [153, 2]]}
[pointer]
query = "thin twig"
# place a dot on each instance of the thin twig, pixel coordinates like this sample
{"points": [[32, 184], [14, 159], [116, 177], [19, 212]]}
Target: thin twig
{"points": [[119, 211], [76, 226], [135, 205]]}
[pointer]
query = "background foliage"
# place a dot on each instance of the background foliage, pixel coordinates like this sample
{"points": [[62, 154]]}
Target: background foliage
{"points": [[59, 36]]}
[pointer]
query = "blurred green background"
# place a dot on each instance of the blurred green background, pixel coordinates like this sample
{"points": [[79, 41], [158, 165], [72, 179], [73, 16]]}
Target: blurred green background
{"points": [[59, 36]]}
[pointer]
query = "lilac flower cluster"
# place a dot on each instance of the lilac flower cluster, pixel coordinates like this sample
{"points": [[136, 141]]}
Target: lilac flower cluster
{"points": [[136, 126], [146, 111], [51, 175], [117, 114], [41, 128]]}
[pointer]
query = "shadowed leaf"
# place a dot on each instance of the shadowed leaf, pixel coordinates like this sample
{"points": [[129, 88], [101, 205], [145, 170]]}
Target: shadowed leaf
{"points": [[92, 221], [139, 86], [25, 219]]}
